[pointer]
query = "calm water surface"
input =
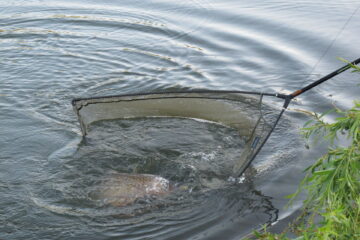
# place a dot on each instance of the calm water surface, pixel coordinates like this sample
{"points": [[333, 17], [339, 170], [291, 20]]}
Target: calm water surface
{"points": [[54, 51]]}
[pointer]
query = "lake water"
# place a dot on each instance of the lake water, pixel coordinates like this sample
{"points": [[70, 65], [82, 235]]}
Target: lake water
{"points": [[54, 51]]}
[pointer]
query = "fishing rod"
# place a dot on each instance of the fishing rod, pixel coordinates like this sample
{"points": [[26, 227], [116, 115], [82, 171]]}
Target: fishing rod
{"points": [[298, 92]]}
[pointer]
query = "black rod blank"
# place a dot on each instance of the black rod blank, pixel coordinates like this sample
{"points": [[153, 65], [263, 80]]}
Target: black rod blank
{"points": [[323, 79]]}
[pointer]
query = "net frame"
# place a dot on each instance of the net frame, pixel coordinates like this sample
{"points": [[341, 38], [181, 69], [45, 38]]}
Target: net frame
{"points": [[256, 135]]}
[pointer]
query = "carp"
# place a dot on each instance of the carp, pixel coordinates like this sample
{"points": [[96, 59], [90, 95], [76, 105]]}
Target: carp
{"points": [[123, 189]]}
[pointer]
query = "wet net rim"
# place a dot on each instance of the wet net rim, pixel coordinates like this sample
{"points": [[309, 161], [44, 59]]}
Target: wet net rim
{"points": [[73, 102]]}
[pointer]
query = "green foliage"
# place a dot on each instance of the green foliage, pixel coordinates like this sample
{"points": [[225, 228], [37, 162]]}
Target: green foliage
{"points": [[269, 236], [332, 206], [333, 182], [265, 235], [356, 68]]}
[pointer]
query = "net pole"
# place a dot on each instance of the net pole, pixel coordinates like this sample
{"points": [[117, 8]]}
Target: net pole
{"points": [[247, 164], [323, 79]]}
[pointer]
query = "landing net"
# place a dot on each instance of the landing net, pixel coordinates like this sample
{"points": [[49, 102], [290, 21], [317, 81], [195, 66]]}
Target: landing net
{"points": [[244, 111]]}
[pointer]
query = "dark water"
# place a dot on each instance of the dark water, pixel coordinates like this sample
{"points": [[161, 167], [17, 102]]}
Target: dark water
{"points": [[53, 51]]}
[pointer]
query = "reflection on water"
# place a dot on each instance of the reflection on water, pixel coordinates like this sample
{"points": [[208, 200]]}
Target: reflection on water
{"points": [[54, 51]]}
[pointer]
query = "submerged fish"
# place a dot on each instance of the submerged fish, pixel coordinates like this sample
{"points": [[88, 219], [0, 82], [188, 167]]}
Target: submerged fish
{"points": [[122, 189]]}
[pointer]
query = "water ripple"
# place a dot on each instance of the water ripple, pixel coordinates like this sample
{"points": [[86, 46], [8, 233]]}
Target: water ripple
{"points": [[54, 51]]}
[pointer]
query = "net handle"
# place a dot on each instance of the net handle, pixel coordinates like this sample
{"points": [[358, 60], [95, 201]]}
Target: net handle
{"points": [[325, 78], [289, 97]]}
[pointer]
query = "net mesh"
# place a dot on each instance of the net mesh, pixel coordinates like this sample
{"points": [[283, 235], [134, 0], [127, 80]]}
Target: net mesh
{"points": [[243, 111]]}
